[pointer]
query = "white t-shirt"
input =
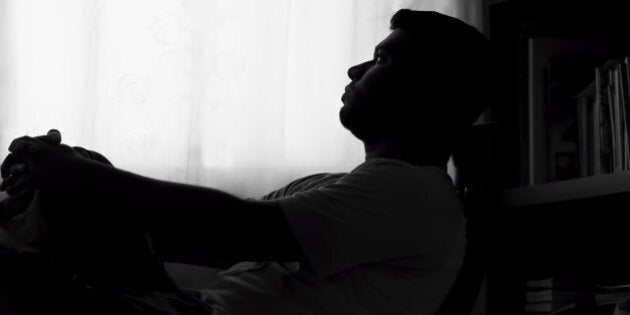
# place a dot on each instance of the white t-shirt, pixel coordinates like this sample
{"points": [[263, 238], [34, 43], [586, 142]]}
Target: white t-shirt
{"points": [[386, 238]]}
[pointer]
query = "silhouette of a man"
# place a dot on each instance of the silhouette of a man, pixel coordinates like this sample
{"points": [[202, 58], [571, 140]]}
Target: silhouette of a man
{"points": [[382, 239]]}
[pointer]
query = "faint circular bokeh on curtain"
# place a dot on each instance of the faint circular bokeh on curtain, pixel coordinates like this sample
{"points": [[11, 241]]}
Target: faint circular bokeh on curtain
{"points": [[233, 94]]}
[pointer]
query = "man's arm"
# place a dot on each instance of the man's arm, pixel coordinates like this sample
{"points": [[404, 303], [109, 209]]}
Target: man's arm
{"points": [[194, 224], [198, 225], [187, 223]]}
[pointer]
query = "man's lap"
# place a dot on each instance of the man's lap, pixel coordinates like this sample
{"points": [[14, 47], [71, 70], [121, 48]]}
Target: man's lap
{"points": [[33, 287], [129, 280]]}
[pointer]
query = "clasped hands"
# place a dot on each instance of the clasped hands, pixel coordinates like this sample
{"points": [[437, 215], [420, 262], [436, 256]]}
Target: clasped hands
{"points": [[37, 162], [40, 168]]}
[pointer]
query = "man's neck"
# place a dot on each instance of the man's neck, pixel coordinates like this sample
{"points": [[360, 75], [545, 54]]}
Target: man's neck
{"points": [[419, 155]]}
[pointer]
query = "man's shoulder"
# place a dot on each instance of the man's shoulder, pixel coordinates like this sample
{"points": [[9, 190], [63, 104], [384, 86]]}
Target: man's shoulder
{"points": [[386, 172], [306, 183]]}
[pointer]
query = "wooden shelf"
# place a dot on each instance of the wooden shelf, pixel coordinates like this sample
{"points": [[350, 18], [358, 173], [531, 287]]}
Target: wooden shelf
{"points": [[573, 189]]}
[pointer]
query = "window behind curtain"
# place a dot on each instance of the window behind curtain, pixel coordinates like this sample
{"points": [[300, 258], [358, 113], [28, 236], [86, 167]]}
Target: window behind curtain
{"points": [[237, 95]]}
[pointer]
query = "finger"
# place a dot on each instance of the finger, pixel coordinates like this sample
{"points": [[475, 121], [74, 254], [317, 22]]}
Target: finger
{"points": [[17, 169], [4, 184], [16, 206], [22, 183], [55, 136], [52, 137], [10, 188], [5, 168], [21, 144], [16, 172]]}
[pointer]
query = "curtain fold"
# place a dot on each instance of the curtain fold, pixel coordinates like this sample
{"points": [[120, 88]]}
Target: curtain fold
{"points": [[240, 95]]}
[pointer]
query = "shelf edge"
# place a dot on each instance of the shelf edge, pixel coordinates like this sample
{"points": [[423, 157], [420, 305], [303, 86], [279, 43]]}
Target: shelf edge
{"points": [[573, 189]]}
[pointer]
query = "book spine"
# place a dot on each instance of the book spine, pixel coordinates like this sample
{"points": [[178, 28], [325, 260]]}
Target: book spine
{"points": [[583, 145], [605, 123], [617, 121], [625, 92], [596, 124]]}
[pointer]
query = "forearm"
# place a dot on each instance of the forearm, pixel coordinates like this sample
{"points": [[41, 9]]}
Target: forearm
{"points": [[196, 224]]}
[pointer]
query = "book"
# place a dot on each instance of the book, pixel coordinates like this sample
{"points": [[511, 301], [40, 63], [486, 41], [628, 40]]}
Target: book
{"points": [[586, 105], [559, 143], [612, 294], [553, 294], [617, 122], [558, 283], [548, 308], [597, 131], [613, 286], [556, 296], [602, 94], [624, 73], [566, 75], [603, 119], [607, 298]]}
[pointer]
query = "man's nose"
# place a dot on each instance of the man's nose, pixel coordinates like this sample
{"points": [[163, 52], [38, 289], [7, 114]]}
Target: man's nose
{"points": [[357, 71]]}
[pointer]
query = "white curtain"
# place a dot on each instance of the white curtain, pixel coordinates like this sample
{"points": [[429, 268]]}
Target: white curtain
{"points": [[241, 95]]}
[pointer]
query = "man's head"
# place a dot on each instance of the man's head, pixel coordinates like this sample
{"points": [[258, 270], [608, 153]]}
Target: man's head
{"points": [[428, 81]]}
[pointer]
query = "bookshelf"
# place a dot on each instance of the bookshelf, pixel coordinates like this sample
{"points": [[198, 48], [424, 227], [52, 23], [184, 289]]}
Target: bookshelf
{"points": [[562, 109], [567, 190]]}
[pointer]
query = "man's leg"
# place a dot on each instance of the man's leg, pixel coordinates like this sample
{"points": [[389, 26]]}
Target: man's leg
{"points": [[29, 284], [99, 249], [95, 265]]}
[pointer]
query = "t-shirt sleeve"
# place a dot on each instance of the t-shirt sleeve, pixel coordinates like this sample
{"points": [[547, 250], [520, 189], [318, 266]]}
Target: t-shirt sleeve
{"points": [[378, 212], [303, 184]]}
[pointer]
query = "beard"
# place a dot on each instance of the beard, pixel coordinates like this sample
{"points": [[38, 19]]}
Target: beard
{"points": [[363, 123], [348, 121]]}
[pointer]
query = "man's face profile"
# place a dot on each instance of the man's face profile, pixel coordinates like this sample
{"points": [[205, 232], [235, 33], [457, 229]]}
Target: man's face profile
{"points": [[377, 85]]}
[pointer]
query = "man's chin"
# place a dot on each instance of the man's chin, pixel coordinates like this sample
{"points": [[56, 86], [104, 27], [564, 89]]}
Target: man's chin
{"points": [[343, 116], [350, 123]]}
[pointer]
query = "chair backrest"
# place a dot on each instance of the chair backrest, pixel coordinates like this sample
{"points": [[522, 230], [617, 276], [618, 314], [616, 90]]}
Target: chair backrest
{"points": [[474, 180]]}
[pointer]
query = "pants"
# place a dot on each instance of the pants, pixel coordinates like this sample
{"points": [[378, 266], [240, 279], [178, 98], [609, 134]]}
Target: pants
{"points": [[97, 264]]}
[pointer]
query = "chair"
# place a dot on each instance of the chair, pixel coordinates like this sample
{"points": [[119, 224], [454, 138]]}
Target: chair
{"points": [[477, 189]]}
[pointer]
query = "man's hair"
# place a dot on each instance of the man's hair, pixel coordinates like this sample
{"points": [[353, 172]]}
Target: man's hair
{"points": [[454, 66]]}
